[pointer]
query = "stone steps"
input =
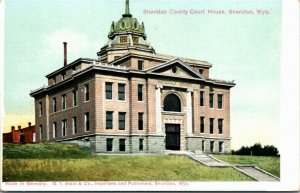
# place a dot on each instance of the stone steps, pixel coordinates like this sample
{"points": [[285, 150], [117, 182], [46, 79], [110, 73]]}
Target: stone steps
{"points": [[208, 161], [257, 173]]}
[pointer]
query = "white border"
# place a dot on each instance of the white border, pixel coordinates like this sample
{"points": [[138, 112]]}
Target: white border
{"points": [[289, 125]]}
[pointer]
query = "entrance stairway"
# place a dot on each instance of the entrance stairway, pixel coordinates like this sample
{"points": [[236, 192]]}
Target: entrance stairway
{"points": [[256, 173], [210, 161]]}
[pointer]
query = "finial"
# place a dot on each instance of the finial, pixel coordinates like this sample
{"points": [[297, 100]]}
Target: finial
{"points": [[127, 12]]}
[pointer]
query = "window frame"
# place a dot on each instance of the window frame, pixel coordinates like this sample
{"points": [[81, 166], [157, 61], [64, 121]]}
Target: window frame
{"points": [[111, 140], [211, 125], [220, 102], [75, 97], [122, 147], [212, 146], [123, 121], [220, 126], [74, 125], [41, 131], [64, 126], [107, 91], [140, 65], [202, 124], [87, 122], [140, 92], [40, 108], [221, 146], [120, 92], [54, 105], [64, 102], [140, 121], [111, 120], [54, 130], [211, 100], [202, 98], [86, 92], [141, 144]]}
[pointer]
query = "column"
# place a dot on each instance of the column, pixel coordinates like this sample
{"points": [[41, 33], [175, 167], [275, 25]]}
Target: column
{"points": [[189, 112], [158, 108]]}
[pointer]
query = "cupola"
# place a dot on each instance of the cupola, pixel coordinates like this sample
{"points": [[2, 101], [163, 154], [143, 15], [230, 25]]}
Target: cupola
{"points": [[124, 35]]}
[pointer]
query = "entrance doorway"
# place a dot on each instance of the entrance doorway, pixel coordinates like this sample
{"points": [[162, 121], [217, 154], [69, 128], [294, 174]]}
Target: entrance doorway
{"points": [[22, 138], [173, 136]]}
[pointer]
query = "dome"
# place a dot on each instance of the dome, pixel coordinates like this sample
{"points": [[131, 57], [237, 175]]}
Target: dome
{"points": [[127, 24]]}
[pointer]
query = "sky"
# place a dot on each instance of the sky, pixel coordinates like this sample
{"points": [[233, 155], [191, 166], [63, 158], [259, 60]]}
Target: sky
{"points": [[243, 48]]}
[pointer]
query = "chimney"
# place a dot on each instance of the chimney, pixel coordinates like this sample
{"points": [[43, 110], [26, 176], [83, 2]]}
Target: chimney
{"points": [[19, 127], [12, 128], [29, 124], [65, 53]]}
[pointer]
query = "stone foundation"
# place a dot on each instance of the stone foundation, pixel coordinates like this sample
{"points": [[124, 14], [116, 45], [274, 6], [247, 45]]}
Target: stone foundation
{"points": [[151, 144], [195, 144]]}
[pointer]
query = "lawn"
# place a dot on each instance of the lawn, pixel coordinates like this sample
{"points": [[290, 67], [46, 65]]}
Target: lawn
{"points": [[268, 163], [68, 162]]}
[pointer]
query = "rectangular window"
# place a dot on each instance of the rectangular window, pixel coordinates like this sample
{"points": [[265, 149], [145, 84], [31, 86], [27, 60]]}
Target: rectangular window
{"points": [[41, 131], [203, 145], [202, 125], [123, 39], [212, 146], [75, 96], [74, 125], [141, 144], [121, 92], [64, 102], [40, 108], [135, 40], [121, 144], [109, 144], [202, 98], [87, 92], [122, 121], [87, 121], [54, 104], [221, 146], [220, 126], [211, 125], [64, 127], [54, 129], [109, 120], [141, 121], [220, 101], [108, 90], [140, 92], [140, 65], [211, 100]]}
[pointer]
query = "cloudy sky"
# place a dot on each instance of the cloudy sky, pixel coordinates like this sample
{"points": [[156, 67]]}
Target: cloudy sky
{"points": [[244, 48]]}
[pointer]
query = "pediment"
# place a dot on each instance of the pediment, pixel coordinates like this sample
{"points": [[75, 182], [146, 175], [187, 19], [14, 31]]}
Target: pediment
{"points": [[175, 68]]}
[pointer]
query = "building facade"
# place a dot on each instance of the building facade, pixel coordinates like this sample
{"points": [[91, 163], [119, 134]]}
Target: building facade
{"points": [[133, 100], [21, 135]]}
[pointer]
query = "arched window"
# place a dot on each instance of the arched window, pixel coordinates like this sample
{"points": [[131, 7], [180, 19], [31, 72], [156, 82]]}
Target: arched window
{"points": [[172, 103]]}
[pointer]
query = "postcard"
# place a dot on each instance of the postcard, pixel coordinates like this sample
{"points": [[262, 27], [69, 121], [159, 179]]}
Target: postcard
{"points": [[136, 95]]}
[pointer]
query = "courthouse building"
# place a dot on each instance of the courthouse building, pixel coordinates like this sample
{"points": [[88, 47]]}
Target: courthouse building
{"points": [[133, 100]]}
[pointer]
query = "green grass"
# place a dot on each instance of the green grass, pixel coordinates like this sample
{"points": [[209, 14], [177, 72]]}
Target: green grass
{"points": [[44, 150], [268, 163], [115, 168], [69, 162]]}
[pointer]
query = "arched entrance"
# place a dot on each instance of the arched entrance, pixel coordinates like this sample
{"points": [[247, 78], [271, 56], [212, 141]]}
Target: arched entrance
{"points": [[172, 103]]}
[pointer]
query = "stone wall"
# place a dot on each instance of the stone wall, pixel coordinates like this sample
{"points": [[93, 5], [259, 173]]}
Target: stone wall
{"points": [[195, 144]]}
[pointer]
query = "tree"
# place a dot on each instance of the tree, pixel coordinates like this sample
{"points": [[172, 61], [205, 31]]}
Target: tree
{"points": [[257, 150]]}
